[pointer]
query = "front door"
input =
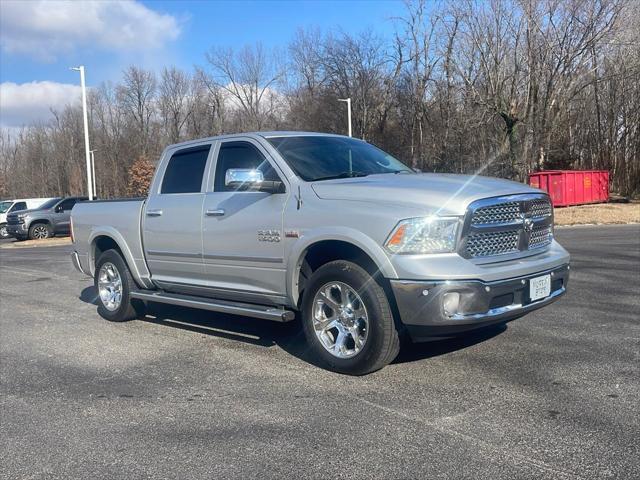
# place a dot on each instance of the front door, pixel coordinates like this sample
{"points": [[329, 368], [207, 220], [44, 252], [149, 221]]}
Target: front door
{"points": [[172, 221], [242, 231], [62, 219]]}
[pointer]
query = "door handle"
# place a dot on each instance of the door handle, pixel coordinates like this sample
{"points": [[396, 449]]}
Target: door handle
{"points": [[214, 213], [154, 213]]}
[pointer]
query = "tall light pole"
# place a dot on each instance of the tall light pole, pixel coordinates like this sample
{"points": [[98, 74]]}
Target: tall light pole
{"points": [[93, 172], [348, 100], [86, 130]]}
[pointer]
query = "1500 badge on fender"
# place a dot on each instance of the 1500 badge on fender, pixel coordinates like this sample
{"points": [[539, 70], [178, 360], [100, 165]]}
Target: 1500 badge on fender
{"points": [[268, 235]]}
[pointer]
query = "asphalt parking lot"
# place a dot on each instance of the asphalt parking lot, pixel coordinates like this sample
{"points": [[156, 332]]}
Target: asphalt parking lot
{"points": [[190, 394]]}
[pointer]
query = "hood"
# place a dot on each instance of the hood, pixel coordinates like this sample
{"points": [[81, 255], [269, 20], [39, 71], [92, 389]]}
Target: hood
{"points": [[31, 210], [442, 194]]}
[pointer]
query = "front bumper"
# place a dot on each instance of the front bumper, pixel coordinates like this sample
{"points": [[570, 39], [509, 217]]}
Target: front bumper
{"points": [[17, 230], [420, 303]]}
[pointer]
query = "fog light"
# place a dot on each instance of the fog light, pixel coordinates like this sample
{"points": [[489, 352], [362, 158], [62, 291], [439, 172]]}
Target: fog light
{"points": [[450, 303]]}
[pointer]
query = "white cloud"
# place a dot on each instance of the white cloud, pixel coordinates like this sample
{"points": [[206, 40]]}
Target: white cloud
{"points": [[45, 28], [26, 103]]}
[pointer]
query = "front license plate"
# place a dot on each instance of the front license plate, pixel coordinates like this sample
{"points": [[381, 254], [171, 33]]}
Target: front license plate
{"points": [[539, 287]]}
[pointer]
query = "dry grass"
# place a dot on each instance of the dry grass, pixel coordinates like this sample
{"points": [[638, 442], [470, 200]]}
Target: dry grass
{"points": [[47, 242], [601, 214]]}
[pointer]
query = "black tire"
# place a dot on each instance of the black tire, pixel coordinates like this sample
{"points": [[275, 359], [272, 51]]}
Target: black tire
{"points": [[39, 231], [3, 231], [382, 342], [128, 308]]}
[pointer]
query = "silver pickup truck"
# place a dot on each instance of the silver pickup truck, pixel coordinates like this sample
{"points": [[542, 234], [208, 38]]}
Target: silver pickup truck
{"points": [[363, 249]]}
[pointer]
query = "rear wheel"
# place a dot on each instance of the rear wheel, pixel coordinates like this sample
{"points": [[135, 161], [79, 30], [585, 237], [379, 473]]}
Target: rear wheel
{"points": [[347, 319], [40, 231], [113, 282], [3, 231]]}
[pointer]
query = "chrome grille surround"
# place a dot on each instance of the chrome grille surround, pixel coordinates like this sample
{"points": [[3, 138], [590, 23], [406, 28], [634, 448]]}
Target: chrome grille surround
{"points": [[508, 227]]}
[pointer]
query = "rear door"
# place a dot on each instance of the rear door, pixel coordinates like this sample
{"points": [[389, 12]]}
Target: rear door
{"points": [[242, 230], [172, 220]]}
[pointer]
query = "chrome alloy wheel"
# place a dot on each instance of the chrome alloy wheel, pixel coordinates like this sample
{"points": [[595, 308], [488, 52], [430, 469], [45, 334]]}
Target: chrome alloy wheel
{"points": [[40, 232], [3, 231], [340, 320], [110, 286]]}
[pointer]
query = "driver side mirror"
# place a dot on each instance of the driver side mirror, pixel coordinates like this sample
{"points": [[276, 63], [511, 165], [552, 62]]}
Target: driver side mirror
{"points": [[251, 179]]}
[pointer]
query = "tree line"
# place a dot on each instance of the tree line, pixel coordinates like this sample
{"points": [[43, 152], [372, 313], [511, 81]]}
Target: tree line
{"points": [[498, 87]]}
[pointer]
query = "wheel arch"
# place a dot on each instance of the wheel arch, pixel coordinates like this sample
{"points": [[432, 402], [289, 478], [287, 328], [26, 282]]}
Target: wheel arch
{"points": [[109, 238], [320, 249], [46, 221], [40, 221]]}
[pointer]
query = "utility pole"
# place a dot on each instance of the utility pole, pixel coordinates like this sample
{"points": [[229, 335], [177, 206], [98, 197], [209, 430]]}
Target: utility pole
{"points": [[348, 100], [86, 130]]}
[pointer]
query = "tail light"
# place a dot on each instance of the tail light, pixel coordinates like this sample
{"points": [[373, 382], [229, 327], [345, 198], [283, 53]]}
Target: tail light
{"points": [[71, 230]]}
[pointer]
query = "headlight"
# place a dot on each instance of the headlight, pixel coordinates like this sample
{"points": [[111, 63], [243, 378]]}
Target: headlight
{"points": [[424, 235], [21, 218]]}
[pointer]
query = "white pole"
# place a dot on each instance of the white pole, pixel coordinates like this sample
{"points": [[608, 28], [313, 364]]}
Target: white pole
{"points": [[348, 100], [93, 173], [349, 114], [86, 130]]}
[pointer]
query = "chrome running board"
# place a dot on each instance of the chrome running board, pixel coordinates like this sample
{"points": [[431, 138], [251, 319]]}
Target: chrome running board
{"points": [[224, 306]]}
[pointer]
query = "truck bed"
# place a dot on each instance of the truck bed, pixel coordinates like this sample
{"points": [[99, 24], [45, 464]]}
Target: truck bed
{"points": [[119, 219]]}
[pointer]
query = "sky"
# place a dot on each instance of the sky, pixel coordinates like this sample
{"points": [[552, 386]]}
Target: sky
{"points": [[41, 39]]}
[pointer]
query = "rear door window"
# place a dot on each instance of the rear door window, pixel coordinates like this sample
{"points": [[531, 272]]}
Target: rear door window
{"points": [[185, 170], [19, 206]]}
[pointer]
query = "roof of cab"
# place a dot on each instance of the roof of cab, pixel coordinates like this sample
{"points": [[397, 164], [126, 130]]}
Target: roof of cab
{"points": [[273, 134]]}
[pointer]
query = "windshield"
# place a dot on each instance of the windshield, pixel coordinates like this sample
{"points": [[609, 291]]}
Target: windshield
{"points": [[49, 204], [4, 206], [322, 158]]}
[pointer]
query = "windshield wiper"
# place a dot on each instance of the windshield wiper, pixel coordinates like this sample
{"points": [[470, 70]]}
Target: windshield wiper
{"points": [[342, 175]]}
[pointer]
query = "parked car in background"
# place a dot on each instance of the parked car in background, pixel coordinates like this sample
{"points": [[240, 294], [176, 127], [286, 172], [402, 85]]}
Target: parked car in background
{"points": [[51, 218], [10, 206], [330, 228]]}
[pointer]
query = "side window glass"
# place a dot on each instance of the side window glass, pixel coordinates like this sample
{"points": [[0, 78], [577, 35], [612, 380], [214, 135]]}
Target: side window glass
{"points": [[19, 206], [68, 204], [185, 170], [241, 155]]}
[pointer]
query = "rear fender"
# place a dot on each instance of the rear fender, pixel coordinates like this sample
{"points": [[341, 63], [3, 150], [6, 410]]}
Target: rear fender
{"points": [[138, 268]]}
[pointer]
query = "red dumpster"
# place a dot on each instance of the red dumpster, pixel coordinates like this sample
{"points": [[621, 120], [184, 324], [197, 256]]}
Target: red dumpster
{"points": [[573, 187]]}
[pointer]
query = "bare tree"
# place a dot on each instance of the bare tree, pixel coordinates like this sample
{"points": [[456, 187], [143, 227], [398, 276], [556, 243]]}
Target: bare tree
{"points": [[137, 93], [175, 107], [249, 76]]}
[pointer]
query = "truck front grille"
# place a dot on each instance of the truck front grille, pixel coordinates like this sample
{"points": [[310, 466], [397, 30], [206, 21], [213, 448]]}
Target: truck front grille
{"points": [[540, 237], [13, 220], [500, 213], [494, 243], [540, 209], [507, 225]]}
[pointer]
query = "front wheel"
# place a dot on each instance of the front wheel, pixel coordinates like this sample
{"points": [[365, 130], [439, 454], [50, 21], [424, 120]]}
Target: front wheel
{"points": [[40, 231], [347, 319], [114, 282]]}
